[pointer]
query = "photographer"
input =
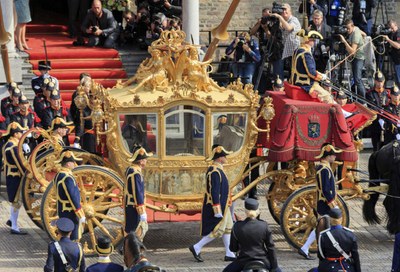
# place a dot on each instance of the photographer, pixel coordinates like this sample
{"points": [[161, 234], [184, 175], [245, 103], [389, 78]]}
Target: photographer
{"points": [[159, 24], [260, 29], [362, 14], [290, 26], [247, 54], [321, 47], [313, 5], [336, 14], [169, 8], [100, 26], [354, 47], [394, 42]]}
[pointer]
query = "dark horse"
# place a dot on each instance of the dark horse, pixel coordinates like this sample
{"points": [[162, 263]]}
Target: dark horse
{"points": [[385, 164]]}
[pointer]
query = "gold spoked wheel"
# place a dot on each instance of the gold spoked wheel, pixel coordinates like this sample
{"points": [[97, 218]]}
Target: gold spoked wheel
{"points": [[298, 219], [101, 199], [283, 184], [32, 189]]}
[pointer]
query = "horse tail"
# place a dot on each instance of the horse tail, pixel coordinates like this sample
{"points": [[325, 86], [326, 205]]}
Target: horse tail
{"points": [[369, 212], [392, 201]]}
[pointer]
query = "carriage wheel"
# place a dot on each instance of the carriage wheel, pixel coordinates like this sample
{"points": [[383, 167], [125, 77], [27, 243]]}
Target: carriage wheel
{"points": [[298, 219], [101, 199], [283, 184], [32, 190]]}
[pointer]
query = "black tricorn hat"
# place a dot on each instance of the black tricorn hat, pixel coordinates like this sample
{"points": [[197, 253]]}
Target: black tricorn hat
{"points": [[67, 156], [251, 204], [14, 127], [335, 213], [379, 76], [327, 150], [65, 224], [104, 245], [59, 122], [341, 95], [139, 153], [44, 65], [217, 152]]}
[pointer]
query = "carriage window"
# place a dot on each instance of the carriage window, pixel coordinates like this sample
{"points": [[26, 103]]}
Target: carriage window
{"points": [[139, 129], [184, 127], [229, 130]]}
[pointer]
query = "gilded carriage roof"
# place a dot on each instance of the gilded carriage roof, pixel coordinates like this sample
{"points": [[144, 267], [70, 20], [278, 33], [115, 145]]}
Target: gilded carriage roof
{"points": [[174, 72]]}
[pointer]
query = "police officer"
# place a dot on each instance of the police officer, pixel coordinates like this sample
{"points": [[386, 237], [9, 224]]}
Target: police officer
{"points": [[14, 170], [337, 247], [86, 133], [304, 72], [252, 240], [216, 219], [392, 128], [44, 67], [59, 129], [68, 194], [104, 248], [326, 190], [65, 254], [134, 192], [380, 97]]}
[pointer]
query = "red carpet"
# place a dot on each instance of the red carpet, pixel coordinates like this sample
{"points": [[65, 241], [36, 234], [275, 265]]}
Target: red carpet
{"points": [[68, 62]]}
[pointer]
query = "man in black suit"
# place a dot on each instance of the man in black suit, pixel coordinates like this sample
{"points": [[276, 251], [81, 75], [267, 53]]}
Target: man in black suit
{"points": [[321, 47], [252, 240], [337, 247], [64, 253]]}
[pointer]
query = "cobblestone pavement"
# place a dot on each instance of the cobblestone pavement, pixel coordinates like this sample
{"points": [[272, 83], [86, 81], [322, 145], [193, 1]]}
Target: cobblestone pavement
{"points": [[168, 243]]}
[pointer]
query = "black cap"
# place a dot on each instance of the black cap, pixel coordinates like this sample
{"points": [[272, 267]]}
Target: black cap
{"points": [[251, 204], [65, 224], [55, 94], [395, 91], [23, 100], [104, 245], [335, 213], [341, 95], [44, 65], [379, 76]]}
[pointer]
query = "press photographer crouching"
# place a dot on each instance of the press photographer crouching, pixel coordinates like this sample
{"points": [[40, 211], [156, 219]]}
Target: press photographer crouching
{"points": [[246, 55], [394, 40], [100, 26]]}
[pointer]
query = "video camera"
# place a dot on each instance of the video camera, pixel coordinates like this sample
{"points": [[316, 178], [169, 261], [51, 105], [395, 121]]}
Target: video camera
{"points": [[380, 43], [337, 45], [277, 8], [271, 21], [94, 28]]}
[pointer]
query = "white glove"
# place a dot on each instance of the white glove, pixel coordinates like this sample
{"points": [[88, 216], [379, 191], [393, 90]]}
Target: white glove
{"points": [[77, 145], [143, 217], [381, 123], [29, 135], [218, 215], [398, 125], [82, 220], [398, 136], [324, 77], [26, 148]]}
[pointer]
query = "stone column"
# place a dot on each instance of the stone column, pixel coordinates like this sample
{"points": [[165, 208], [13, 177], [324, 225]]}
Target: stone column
{"points": [[190, 20], [9, 23]]}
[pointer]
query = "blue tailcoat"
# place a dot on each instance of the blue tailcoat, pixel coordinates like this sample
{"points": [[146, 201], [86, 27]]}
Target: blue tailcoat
{"points": [[13, 168], [72, 252], [326, 188], [68, 198], [217, 192], [134, 196], [105, 267]]}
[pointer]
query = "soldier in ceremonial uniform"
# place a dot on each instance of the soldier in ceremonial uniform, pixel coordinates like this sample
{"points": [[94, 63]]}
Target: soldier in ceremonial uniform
{"points": [[304, 71], [7, 100], [59, 129], [42, 99], [326, 190], [252, 240], [85, 133], [104, 248], [277, 84], [134, 192], [337, 247], [68, 194], [216, 219], [72, 251], [14, 170], [392, 128], [44, 67], [12, 107], [380, 97]]}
